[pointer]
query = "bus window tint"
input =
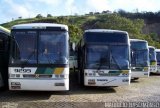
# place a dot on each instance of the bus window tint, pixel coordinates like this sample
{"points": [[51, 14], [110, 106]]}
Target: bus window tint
{"points": [[1, 45], [152, 55], [138, 45], [97, 57], [107, 57], [139, 54], [52, 48], [158, 56], [139, 58], [27, 47], [119, 57], [101, 37]]}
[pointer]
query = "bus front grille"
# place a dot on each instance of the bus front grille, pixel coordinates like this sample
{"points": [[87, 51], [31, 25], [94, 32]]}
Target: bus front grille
{"points": [[36, 76]]}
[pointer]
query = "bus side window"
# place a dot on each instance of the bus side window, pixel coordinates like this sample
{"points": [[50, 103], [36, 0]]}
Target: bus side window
{"points": [[1, 45]]}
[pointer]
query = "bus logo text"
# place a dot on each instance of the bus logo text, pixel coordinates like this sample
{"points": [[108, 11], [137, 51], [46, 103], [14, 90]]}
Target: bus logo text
{"points": [[22, 70]]}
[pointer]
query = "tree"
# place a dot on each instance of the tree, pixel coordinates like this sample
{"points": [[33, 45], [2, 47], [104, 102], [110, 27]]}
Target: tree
{"points": [[49, 15], [39, 16], [75, 33], [116, 22], [154, 36]]}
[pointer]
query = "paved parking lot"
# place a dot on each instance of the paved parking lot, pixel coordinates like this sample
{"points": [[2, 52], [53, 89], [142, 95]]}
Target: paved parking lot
{"points": [[143, 90]]}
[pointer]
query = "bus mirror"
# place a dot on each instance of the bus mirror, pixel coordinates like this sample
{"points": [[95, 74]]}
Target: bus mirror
{"points": [[132, 53], [73, 46]]}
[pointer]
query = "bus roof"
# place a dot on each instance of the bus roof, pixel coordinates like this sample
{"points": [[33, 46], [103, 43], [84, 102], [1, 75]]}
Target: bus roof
{"points": [[4, 30], [151, 47], [39, 26], [137, 40], [106, 30], [157, 50]]}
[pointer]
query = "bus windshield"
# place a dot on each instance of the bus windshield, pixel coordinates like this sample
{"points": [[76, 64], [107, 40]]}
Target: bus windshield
{"points": [[107, 57], [52, 48], [24, 47], [158, 56], [152, 54], [44, 47], [139, 58]]}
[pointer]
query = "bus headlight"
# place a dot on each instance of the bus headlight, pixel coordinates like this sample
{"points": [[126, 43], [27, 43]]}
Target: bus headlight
{"points": [[124, 74], [59, 84], [12, 75], [145, 69], [17, 75], [64, 76], [15, 83], [125, 80], [57, 76]]}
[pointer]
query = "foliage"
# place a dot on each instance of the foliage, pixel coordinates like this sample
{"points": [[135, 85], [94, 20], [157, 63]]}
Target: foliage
{"points": [[75, 33], [49, 15], [39, 16], [133, 23]]}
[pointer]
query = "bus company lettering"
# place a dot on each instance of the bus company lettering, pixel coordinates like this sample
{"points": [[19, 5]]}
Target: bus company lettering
{"points": [[22, 70], [99, 71]]}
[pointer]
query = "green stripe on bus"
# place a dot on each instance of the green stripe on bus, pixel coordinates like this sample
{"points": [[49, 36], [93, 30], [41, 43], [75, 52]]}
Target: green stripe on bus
{"points": [[152, 63], [45, 71]]}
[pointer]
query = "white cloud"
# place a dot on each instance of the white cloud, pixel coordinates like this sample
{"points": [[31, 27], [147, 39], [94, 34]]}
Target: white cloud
{"points": [[16, 10], [70, 7], [98, 5], [49, 2], [130, 5], [30, 8]]}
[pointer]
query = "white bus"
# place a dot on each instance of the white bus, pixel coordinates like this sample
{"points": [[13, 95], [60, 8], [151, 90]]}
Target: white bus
{"points": [[158, 60], [4, 56], [103, 58], [139, 58], [153, 60], [39, 57]]}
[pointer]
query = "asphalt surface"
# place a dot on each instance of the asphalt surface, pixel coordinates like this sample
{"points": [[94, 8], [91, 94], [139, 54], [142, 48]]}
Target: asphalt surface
{"points": [[144, 92]]}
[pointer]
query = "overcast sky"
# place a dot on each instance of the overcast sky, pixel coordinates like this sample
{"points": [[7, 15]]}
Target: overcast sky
{"points": [[30, 8]]}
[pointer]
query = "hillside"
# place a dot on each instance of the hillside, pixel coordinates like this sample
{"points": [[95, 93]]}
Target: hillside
{"points": [[137, 27]]}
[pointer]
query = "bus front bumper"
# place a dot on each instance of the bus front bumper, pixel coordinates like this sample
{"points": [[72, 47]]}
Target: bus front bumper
{"points": [[39, 84], [158, 69], [153, 68], [139, 74], [106, 81]]}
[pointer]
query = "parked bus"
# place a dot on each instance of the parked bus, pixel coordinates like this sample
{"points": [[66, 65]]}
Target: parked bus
{"points": [[139, 58], [39, 57], [103, 58], [4, 56], [153, 60], [158, 60]]}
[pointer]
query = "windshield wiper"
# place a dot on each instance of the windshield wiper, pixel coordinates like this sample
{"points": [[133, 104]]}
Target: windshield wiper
{"points": [[137, 56], [115, 61], [28, 58], [103, 60], [134, 57]]}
